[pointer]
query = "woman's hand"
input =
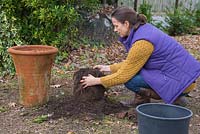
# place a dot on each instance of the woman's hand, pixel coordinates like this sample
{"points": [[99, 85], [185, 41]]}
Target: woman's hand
{"points": [[102, 68], [90, 81]]}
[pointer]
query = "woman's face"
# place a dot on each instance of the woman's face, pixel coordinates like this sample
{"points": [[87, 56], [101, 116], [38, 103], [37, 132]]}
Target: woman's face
{"points": [[122, 29]]}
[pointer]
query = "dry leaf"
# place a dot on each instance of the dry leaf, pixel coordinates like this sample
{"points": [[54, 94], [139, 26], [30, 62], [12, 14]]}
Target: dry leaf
{"points": [[70, 132], [55, 86], [12, 104]]}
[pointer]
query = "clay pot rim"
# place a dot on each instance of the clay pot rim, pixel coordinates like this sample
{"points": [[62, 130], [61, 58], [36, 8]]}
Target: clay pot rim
{"points": [[20, 50]]}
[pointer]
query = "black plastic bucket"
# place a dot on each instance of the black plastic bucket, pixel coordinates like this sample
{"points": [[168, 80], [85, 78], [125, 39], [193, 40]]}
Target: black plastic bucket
{"points": [[156, 118]]}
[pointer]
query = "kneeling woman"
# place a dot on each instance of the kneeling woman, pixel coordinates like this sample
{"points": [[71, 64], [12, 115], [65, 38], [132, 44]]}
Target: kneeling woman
{"points": [[157, 66]]}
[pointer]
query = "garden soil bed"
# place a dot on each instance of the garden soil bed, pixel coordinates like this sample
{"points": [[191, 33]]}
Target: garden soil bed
{"points": [[66, 114]]}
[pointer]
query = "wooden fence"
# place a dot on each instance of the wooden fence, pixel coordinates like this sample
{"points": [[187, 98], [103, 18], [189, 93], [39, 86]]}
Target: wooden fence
{"points": [[161, 5]]}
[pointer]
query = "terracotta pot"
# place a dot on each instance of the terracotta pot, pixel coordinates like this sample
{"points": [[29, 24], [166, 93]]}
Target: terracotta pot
{"points": [[33, 65]]}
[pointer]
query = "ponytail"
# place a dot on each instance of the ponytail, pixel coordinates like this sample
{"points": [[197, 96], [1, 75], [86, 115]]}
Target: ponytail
{"points": [[141, 20]]}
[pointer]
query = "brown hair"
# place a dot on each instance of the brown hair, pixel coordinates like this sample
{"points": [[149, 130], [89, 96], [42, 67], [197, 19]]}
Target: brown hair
{"points": [[123, 14]]}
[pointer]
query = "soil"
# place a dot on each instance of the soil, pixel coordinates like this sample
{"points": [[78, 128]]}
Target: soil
{"points": [[90, 93], [66, 114]]}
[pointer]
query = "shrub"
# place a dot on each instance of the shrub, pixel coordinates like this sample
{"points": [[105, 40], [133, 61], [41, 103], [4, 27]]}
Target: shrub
{"points": [[8, 37], [180, 21], [51, 22], [47, 22], [145, 9], [197, 14]]}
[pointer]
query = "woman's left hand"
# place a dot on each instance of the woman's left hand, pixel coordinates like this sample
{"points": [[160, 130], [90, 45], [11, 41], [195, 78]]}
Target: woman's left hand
{"points": [[90, 81]]}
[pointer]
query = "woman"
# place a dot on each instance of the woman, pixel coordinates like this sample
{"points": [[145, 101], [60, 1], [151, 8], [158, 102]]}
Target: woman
{"points": [[157, 66]]}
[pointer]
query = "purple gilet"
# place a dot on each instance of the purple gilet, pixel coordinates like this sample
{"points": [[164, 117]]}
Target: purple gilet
{"points": [[170, 69]]}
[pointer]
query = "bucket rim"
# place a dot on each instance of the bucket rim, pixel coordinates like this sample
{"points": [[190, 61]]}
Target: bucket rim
{"points": [[163, 118]]}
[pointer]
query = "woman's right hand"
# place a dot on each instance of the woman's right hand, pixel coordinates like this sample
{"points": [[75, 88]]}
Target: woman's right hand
{"points": [[102, 68]]}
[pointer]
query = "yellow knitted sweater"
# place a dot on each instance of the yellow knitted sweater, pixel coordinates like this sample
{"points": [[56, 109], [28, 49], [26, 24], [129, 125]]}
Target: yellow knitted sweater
{"points": [[124, 71]]}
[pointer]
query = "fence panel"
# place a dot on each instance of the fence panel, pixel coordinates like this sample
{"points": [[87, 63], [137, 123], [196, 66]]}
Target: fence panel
{"points": [[161, 5]]}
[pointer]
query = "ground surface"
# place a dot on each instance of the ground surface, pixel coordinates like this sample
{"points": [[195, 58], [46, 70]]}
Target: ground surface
{"points": [[63, 114]]}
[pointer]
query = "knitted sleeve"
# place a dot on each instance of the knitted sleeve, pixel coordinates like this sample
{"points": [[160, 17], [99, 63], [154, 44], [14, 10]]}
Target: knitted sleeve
{"points": [[115, 67], [137, 57]]}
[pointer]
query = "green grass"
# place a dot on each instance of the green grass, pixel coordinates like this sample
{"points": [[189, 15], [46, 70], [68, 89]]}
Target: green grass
{"points": [[40, 119], [2, 109]]}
